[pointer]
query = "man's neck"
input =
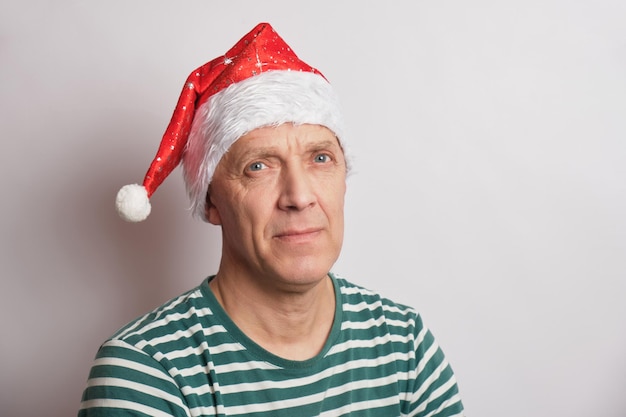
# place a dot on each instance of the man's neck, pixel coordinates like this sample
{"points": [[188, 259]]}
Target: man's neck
{"points": [[293, 325]]}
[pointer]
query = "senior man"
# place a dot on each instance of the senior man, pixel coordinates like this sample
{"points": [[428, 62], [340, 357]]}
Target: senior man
{"points": [[273, 332]]}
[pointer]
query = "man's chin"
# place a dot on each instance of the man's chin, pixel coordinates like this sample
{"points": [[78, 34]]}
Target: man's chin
{"points": [[301, 277]]}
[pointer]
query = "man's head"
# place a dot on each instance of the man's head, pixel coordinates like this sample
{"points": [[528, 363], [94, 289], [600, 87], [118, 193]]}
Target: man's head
{"points": [[278, 195], [259, 82], [268, 99]]}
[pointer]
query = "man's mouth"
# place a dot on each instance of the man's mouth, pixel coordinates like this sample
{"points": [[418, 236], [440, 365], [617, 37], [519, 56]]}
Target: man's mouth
{"points": [[298, 235]]}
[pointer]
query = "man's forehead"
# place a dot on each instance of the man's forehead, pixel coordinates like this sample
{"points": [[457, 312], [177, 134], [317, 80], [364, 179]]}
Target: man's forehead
{"points": [[276, 138]]}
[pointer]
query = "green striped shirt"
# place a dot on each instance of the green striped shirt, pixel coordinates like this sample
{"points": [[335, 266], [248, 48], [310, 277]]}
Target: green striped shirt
{"points": [[187, 358]]}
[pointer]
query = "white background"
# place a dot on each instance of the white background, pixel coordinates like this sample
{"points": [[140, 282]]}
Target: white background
{"points": [[489, 190]]}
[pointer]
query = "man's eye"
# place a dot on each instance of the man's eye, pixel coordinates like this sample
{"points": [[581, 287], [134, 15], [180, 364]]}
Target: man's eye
{"points": [[322, 158], [256, 166]]}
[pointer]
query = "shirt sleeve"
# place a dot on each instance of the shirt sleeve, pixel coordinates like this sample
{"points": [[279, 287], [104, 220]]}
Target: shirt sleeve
{"points": [[125, 381], [435, 392]]}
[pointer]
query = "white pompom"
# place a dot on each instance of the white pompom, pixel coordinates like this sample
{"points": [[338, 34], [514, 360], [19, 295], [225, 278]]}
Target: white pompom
{"points": [[132, 203]]}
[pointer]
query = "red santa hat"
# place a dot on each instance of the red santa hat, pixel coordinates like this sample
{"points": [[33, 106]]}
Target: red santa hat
{"points": [[258, 82]]}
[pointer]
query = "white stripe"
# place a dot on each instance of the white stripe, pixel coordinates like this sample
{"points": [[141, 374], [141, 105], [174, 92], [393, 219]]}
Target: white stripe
{"points": [[356, 308], [434, 375], [370, 323], [436, 393], [203, 389], [420, 337], [135, 386], [233, 367], [362, 325], [362, 405], [227, 347], [125, 405], [136, 366], [181, 334], [244, 366], [189, 351], [451, 401], [396, 309], [427, 356], [363, 305], [217, 410], [367, 343], [202, 348], [356, 290], [188, 390], [403, 324]]}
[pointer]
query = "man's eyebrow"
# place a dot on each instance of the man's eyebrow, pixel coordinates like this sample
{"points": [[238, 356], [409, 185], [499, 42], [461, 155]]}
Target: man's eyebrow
{"points": [[256, 153], [324, 144]]}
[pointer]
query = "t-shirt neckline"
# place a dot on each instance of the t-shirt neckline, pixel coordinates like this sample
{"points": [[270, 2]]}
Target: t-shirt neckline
{"points": [[257, 350]]}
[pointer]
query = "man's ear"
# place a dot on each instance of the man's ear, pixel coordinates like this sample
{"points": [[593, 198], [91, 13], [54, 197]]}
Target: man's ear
{"points": [[210, 211]]}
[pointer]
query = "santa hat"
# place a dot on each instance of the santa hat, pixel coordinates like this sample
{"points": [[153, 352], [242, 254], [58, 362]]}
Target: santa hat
{"points": [[258, 82]]}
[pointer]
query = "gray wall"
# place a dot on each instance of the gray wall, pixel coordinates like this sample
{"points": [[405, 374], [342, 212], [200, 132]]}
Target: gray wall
{"points": [[489, 190]]}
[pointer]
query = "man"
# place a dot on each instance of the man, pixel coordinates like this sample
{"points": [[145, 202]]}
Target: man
{"points": [[273, 333]]}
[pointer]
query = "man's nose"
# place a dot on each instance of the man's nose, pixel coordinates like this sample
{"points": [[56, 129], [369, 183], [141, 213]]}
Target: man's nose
{"points": [[297, 188]]}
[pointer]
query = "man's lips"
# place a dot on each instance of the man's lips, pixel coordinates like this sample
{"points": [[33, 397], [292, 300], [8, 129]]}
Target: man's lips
{"points": [[298, 234]]}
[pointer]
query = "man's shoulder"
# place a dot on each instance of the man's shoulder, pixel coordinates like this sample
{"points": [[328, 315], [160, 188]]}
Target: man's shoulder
{"points": [[357, 295], [177, 314]]}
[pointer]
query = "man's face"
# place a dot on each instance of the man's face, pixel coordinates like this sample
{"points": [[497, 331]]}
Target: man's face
{"points": [[278, 194]]}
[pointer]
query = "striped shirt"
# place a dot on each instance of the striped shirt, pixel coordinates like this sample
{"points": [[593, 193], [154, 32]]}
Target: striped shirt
{"points": [[187, 358]]}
